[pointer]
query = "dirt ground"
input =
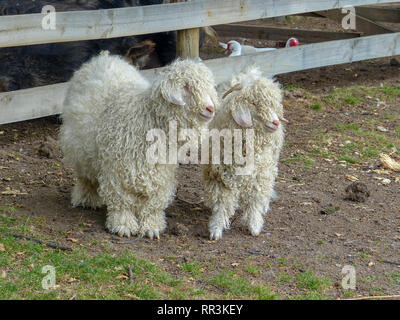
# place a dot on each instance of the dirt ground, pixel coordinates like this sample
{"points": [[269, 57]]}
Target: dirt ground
{"points": [[311, 226]]}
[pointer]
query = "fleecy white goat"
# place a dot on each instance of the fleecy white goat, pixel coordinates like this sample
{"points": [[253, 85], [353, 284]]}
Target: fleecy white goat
{"points": [[107, 113], [253, 102]]}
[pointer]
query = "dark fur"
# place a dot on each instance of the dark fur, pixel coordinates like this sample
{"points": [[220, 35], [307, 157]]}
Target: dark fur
{"points": [[30, 66]]}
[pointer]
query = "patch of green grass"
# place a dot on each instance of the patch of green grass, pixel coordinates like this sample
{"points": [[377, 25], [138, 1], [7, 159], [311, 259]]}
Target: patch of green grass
{"points": [[307, 280], [311, 295], [284, 277], [313, 155], [192, 267], [396, 278], [200, 292], [348, 293], [8, 209], [79, 272], [302, 159], [349, 95], [390, 91], [264, 293], [397, 130], [356, 95], [345, 127], [6, 223], [392, 116], [253, 270], [177, 294], [316, 106], [282, 261], [349, 159], [368, 279], [239, 287], [366, 142], [378, 291], [290, 87], [102, 276], [171, 258], [362, 255], [352, 100], [370, 153]]}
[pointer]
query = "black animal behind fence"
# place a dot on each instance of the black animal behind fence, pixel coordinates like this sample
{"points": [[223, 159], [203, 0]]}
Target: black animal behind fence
{"points": [[36, 65]]}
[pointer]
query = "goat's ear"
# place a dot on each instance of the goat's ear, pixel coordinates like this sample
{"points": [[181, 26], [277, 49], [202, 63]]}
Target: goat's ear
{"points": [[140, 53], [242, 117], [176, 95]]}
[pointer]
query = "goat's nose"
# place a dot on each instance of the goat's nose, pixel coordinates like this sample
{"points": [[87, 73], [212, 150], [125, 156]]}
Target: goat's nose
{"points": [[276, 123], [210, 109]]}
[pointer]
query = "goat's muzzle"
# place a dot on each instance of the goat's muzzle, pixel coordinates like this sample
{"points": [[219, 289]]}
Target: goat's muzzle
{"points": [[208, 113]]}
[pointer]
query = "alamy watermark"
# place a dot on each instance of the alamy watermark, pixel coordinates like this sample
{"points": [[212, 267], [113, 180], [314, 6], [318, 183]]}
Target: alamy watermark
{"points": [[49, 20], [349, 20], [349, 279], [185, 147], [49, 280]]}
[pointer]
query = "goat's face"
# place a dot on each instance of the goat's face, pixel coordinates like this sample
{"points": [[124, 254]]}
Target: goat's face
{"points": [[189, 89], [258, 105]]}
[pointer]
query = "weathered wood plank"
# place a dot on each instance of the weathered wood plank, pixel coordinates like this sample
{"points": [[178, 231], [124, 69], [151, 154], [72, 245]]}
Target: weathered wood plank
{"points": [[85, 25], [364, 25], [43, 101], [274, 33], [32, 103]]}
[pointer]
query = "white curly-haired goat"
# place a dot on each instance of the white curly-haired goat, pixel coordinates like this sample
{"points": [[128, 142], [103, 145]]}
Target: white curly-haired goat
{"points": [[108, 112], [252, 102]]}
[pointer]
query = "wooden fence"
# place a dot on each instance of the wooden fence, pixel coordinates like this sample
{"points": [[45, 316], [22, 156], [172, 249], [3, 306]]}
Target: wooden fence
{"points": [[83, 25]]}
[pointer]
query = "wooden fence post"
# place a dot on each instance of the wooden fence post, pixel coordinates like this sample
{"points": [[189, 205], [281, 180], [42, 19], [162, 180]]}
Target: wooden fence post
{"points": [[187, 45]]}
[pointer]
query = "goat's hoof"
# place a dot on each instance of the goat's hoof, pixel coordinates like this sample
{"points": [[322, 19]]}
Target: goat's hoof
{"points": [[153, 235], [120, 231], [255, 231], [215, 235], [121, 234]]}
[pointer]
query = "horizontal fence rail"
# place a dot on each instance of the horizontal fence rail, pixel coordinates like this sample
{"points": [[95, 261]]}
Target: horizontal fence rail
{"points": [[27, 29], [47, 100], [274, 33]]}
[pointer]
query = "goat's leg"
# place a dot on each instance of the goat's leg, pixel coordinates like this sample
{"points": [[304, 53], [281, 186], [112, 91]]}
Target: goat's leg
{"points": [[223, 203], [255, 206], [153, 224], [122, 221], [253, 217], [85, 194], [120, 202]]}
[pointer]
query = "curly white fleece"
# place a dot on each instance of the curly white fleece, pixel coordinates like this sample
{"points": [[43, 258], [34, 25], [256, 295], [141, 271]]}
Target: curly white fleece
{"points": [[225, 190], [108, 111]]}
